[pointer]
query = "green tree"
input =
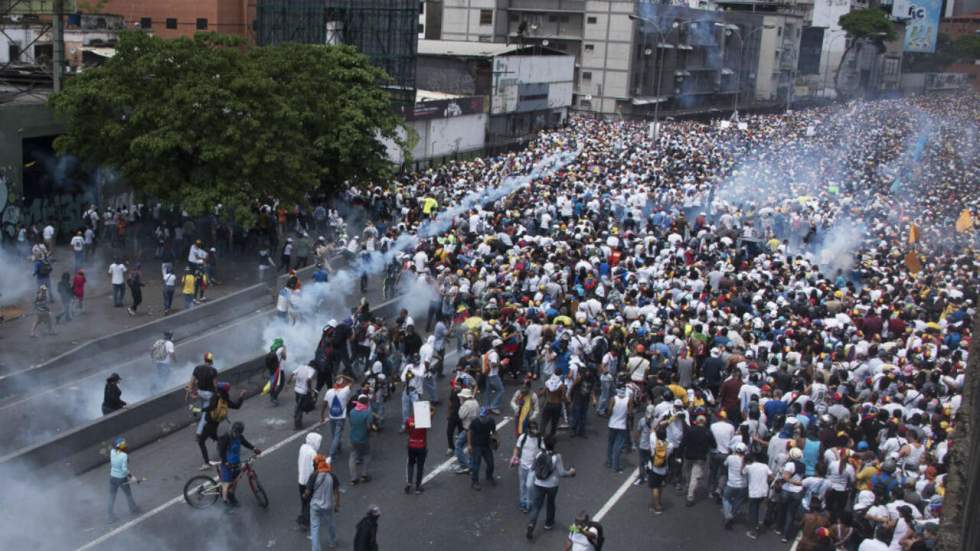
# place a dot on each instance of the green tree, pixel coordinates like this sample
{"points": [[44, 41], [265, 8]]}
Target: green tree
{"points": [[211, 120], [871, 24]]}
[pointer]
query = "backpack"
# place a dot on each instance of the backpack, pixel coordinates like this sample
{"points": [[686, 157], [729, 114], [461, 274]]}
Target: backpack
{"points": [[272, 362], [336, 408], [544, 465], [659, 458], [44, 270], [159, 350], [220, 411]]}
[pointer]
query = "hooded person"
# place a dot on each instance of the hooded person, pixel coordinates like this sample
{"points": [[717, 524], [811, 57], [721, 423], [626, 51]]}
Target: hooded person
{"points": [[323, 492], [307, 453]]}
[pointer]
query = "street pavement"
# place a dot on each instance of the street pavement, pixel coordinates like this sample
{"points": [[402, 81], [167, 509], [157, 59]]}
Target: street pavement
{"points": [[448, 515]]}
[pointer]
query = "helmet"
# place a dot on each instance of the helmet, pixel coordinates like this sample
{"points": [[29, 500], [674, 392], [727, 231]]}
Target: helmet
{"points": [[208, 358], [237, 428]]}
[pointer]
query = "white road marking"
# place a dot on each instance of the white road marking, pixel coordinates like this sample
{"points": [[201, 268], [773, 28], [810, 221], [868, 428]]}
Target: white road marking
{"points": [[617, 496], [178, 499], [445, 466], [266, 452]]}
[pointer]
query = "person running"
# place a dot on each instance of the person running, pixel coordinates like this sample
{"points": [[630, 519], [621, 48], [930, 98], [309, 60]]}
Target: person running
{"points": [[120, 478], [323, 492], [548, 468], [274, 364], [417, 451], [230, 449]]}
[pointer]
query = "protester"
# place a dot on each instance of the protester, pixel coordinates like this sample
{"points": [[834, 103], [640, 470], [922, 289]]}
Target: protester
{"points": [[120, 477]]}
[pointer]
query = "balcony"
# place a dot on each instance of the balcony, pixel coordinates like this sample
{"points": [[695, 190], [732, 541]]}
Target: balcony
{"points": [[555, 6]]}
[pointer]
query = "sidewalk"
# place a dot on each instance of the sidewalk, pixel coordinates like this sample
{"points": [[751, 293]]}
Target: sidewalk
{"points": [[99, 318]]}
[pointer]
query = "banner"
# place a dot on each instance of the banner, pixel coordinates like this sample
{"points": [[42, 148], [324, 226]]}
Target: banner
{"points": [[922, 27], [964, 223], [913, 233]]}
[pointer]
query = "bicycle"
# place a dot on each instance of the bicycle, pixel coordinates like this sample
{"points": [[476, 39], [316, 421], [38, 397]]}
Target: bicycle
{"points": [[203, 491]]}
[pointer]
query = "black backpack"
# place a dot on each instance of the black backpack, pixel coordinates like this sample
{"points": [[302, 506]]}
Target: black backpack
{"points": [[44, 270], [271, 361], [544, 465]]}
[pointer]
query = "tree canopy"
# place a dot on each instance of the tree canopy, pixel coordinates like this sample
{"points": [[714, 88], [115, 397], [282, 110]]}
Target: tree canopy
{"points": [[870, 23], [211, 120]]}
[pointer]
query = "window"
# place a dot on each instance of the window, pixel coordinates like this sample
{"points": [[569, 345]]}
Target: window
{"points": [[171, 22], [779, 31], [590, 47], [146, 23], [586, 75], [421, 28], [591, 20], [562, 46], [421, 7], [202, 24], [563, 19], [486, 17], [585, 103], [13, 50], [552, 18], [514, 18]]}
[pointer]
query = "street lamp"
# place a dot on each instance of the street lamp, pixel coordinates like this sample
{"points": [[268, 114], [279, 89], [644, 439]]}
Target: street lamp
{"points": [[741, 62], [658, 60]]}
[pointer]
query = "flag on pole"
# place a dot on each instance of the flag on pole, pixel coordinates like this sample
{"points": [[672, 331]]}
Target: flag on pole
{"points": [[912, 262], [965, 222], [913, 234]]}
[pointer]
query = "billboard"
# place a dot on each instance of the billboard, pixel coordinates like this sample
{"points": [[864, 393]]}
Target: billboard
{"points": [[922, 25], [38, 7], [442, 109]]}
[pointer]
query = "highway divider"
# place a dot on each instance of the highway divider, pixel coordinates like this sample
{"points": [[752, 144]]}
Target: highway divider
{"points": [[87, 446]]}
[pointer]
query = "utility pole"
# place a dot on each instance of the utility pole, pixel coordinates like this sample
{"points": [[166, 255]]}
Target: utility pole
{"points": [[58, 35]]}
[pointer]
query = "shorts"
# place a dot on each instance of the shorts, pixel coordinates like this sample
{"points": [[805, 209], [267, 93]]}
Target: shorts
{"points": [[229, 473], [655, 480]]}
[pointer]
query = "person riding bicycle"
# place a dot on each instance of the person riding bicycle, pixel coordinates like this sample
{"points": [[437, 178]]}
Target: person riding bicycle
{"points": [[229, 448]]}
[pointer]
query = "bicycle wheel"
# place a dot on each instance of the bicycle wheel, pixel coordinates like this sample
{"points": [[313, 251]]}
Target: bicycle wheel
{"points": [[202, 491], [259, 492]]}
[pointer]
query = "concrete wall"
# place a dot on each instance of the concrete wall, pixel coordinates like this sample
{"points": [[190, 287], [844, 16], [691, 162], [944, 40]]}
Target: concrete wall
{"points": [[224, 16], [444, 137], [607, 24], [86, 447], [461, 20], [514, 73]]}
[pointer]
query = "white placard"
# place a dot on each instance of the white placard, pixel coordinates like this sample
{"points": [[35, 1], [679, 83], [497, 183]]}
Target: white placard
{"points": [[743, 126], [423, 418], [724, 124]]}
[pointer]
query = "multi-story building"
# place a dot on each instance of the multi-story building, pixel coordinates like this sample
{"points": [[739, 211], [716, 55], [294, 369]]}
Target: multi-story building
{"points": [[176, 18], [632, 56]]}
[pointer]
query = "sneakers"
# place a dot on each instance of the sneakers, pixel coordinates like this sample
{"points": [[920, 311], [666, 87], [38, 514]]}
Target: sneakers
{"points": [[449, 452], [549, 526], [462, 470], [408, 488], [419, 490], [204, 467], [658, 512], [752, 534], [638, 482], [530, 533], [476, 486]]}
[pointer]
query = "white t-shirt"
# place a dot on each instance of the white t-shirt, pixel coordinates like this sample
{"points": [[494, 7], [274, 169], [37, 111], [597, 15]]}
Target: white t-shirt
{"points": [[78, 243], [533, 336], [170, 280], [580, 542], [341, 395], [872, 545], [617, 419], [735, 477], [758, 479], [117, 271], [303, 375], [168, 346], [48, 232], [532, 445], [723, 433]]}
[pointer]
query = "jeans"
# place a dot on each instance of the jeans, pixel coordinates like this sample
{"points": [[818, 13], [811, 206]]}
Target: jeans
{"points": [[732, 501], [716, 472], [614, 448], [336, 432], [304, 512], [481, 453], [320, 517], [580, 410], [79, 259], [357, 463], [495, 388], [416, 462], [168, 298], [114, 485], [695, 472], [163, 374], [188, 301], [790, 508], [605, 393], [551, 414], [755, 503], [204, 396], [531, 362], [118, 292], [408, 398], [429, 388], [464, 462], [644, 461], [525, 479], [540, 494]]}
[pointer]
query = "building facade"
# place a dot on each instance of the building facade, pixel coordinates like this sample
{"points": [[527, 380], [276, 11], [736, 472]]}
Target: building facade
{"points": [[176, 18], [633, 55]]}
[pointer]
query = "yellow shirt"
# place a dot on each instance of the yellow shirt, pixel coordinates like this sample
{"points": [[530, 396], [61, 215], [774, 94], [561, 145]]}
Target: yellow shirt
{"points": [[428, 204], [188, 284], [679, 393]]}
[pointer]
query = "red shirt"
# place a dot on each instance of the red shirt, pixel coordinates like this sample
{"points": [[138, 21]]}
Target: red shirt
{"points": [[416, 437]]}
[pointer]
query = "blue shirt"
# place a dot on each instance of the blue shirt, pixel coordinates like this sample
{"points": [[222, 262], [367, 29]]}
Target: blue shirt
{"points": [[360, 422], [320, 276], [118, 464]]}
